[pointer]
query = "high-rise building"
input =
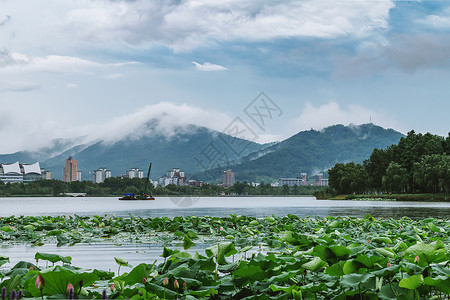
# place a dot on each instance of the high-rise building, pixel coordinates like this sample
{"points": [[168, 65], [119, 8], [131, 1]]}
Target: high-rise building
{"points": [[70, 172], [101, 174], [228, 178], [135, 173], [175, 176]]}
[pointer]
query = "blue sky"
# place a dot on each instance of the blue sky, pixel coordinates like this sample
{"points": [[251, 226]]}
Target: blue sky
{"points": [[101, 68]]}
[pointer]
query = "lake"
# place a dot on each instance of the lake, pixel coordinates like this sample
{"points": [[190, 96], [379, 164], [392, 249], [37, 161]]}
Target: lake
{"points": [[102, 255], [220, 206]]}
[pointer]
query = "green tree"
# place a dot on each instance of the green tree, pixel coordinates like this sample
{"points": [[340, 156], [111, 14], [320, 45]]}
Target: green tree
{"points": [[376, 167], [396, 178]]}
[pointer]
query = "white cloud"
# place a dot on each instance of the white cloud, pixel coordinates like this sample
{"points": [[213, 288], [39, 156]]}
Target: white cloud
{"points": [[18, 62], [331, 113], [114, 76], [186, 25], [18, 86], [158, 119], [437, 21], [207, 67], [164, 118], [72, 85]]}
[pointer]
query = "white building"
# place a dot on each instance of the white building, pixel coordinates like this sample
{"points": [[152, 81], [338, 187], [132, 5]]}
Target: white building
{"points": [[290, 181], [135, 173], [101, 174], [17, 172], [175, 176]]}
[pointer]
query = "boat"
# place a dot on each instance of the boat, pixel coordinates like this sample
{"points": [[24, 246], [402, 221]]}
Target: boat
{"points": [[142, 196]]}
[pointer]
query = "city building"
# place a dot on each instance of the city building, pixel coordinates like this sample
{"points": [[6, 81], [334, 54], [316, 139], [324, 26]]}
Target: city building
{"points": [[175, 176], [47, 175], [304, 178], [195, 183], [290, 182], [101, 174], [134, 173], [228, 178], [70, 171], [320, 181], [17, 172]]}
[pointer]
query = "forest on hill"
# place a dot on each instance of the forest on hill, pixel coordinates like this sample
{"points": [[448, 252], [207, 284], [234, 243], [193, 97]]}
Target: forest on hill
{"points": [[419, 163]]}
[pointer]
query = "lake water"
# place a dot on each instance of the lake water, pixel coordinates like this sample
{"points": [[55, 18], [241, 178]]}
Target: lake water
{"points": [[220, 206], [102, 255]]}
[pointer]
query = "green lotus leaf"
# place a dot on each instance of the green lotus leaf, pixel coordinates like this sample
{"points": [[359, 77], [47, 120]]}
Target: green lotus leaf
{"points": [[412, 282], [53, 257], [315, 264], [122, 262]]}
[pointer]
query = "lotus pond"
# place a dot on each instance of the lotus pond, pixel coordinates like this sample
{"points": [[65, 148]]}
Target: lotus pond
{"points": [[243, 257]]}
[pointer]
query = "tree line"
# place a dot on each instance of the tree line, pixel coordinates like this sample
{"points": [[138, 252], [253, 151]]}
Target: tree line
{"points": [[118, 186], [419, 163]]}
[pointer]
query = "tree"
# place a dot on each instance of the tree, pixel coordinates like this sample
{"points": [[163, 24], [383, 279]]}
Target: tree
{"points": [[396, 178], [348, 178], [431, 173], [376, 167]]}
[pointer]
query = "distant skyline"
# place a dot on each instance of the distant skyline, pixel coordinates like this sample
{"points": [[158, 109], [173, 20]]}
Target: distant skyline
{"points": [[102, 68]]}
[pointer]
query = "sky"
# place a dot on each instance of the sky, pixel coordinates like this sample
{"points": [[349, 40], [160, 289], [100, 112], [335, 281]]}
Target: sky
{"points": [[100, 69]]}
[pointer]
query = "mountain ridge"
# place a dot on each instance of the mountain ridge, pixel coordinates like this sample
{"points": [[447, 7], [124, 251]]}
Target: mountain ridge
{"points": [[308, 151]]}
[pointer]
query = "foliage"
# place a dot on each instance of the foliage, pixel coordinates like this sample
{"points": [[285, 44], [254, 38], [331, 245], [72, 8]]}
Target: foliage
{"points": [[312, 150], [320, 258], [119, 186], [419, 163]]}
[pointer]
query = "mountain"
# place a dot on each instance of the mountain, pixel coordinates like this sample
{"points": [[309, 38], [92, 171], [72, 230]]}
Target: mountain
{"points": [[313, 152], [191, 148], [199, 150]]}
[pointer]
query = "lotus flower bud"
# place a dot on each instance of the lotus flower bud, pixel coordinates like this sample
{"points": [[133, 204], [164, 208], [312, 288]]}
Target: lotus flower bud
{"points": [[166, 281], [144, 280], [175, 284], [39, 282], [70, 292], [184, 285], [388, 264], [416, 260], [112, 287], [69, 287]]}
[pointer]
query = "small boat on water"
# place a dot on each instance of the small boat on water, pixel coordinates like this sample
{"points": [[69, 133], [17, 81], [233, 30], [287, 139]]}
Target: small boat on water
{"points": [[142, 196], [130, 196]]}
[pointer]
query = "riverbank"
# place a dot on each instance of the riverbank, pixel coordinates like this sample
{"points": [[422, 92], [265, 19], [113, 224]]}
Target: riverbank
{"points": [[395, 197]]}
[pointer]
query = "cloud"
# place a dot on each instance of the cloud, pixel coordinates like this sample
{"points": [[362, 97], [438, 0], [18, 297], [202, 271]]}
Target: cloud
{"points": [[18, 86], [163, 119], [331, 113], [11, 61], [114, 76], [407, 53], [6, 20], [207, 67], [72, 85], [437, 21], [187, 25]]}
